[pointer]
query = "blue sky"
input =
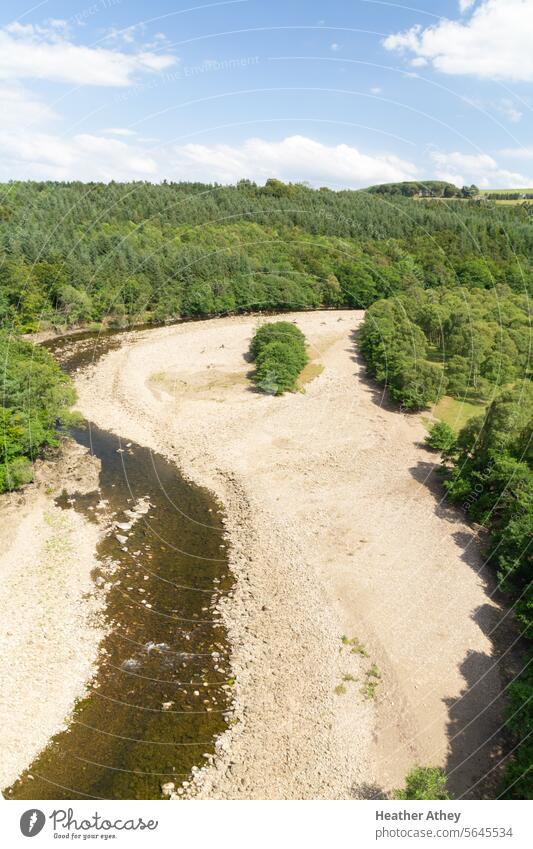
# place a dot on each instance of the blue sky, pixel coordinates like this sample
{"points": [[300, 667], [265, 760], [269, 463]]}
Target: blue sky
{"points": [[342, 93]]}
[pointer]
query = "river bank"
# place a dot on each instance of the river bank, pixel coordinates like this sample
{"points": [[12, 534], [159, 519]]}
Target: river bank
{"points": [[362, 624], [50, 608]]}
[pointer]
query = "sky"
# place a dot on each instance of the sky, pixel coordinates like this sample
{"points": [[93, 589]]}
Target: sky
{"points": [[343, 93]]}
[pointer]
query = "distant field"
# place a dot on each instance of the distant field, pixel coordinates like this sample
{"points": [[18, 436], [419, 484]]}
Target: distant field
{"points": [[486, 193], [504, 191], [506, 202]]}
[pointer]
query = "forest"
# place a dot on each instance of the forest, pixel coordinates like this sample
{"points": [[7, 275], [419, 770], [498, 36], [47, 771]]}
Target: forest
{"points": [[446, 287], [85, 253]]}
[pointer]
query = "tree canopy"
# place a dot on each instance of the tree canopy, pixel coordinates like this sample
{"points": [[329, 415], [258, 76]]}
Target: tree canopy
{"points": [[75, 253]]}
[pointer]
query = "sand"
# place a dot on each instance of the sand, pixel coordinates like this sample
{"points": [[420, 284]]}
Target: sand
{"points": [[337, 528], [50, 609]]}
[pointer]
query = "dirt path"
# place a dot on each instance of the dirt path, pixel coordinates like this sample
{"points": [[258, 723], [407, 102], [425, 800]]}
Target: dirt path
{"points": [[337, 530]]}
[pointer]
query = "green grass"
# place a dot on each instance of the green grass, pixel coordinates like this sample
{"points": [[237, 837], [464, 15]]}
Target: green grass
{"points": [[504, 191], [309, 373], [369, 689], [354, 645], [506, 202], [457, 413]]}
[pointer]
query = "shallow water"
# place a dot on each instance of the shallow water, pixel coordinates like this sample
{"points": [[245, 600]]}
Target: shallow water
{"points": [[162, 691]]}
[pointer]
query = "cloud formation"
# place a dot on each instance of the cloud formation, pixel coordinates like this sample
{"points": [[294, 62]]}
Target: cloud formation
{"points": [[480, 168], [44, 156], [293, 158], [494, 42], [46, 53]]}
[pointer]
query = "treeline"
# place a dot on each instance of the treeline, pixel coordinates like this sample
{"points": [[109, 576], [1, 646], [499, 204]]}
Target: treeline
{"points": [[509, 195], [460, 341], [475, 345], [36, 397], [491, 478], [427, 188], [79, 253]]}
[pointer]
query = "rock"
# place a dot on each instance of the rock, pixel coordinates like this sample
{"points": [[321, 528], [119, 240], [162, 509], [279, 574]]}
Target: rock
{"points": [[168, 788]]}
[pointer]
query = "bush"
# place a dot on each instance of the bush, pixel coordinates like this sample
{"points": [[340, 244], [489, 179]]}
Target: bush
{"points": [[35, 397], [277, 331], [441, 437], [15, 474], [424, 782], [279, 352], [518, 779]]}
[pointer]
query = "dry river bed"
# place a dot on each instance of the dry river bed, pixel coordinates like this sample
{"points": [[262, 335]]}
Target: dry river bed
{"points": [[364, 629]]}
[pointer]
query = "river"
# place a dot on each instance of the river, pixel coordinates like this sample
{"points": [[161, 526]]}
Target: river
{"points": [[162, 692]]}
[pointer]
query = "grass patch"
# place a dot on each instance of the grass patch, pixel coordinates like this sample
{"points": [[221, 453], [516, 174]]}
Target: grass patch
{"points": [[373, 678], [310, 372], [340, 690], [369, 689], [455, 412], [354, 645], [374, 672]]}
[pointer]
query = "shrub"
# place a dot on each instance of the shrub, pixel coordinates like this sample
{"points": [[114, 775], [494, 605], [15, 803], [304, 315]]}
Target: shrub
{"points": [[35, 397], [15, 474], [277, 331], [424, 782], [279, 352], [441, 437]]}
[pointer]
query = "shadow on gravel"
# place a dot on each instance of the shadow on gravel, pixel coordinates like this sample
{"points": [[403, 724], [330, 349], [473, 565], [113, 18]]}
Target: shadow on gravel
{"points": [[427, 474], [478, 744], [367, 791], [378, 392]]}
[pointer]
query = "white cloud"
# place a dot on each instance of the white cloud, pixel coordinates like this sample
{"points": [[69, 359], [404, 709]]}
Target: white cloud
{"points": [[376, 89], [335, 47], [295, 158], [19, 107], [518, 152], [480, 168], [464, 5], [83, 157], [119, 131], [43, 155], [45, 53], [509, 110], [493, 43]]}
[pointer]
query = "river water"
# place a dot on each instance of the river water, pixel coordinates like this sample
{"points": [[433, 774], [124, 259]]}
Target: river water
{"points": [[162, 692]]}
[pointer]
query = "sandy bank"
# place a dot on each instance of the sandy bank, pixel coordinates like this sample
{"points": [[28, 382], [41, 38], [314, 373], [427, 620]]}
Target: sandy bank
{"points": [[48, 608], [337, 529]]}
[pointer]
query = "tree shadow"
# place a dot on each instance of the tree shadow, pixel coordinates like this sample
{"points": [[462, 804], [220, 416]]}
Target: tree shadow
{"points": [[378, 392], [428, 474], [369, 791], [478, 741]]}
